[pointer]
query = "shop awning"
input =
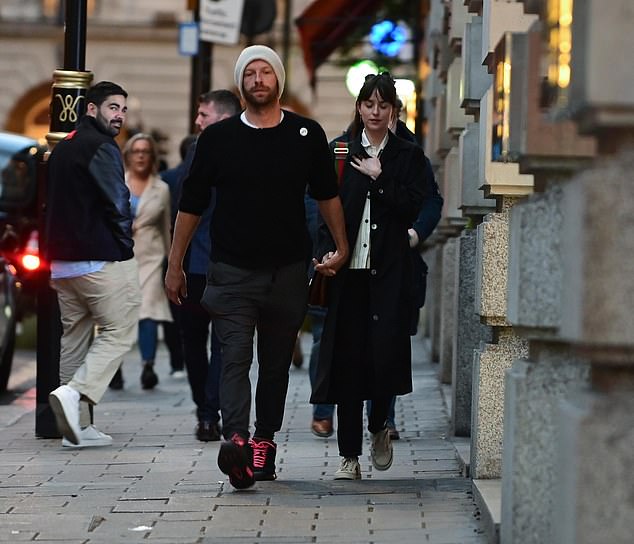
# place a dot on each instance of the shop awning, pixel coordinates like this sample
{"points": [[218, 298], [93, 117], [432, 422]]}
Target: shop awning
{"points": [[324, 25]]}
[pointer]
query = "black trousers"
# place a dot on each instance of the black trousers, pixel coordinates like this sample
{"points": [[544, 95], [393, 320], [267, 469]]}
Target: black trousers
{"points": [[350, 423], [173, 339], [353, 374], [273, 301], [203, 372]]}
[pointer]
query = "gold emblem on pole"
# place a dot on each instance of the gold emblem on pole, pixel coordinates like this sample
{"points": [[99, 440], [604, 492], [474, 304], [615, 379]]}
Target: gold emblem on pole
{"points": [[69, 107]]}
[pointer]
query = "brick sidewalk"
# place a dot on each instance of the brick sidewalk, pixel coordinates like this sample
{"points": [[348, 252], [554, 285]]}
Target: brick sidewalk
{"points": [[157, 483]]}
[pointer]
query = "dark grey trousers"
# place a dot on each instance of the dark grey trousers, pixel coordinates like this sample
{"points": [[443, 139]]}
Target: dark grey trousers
{"points": [[241, 301]]}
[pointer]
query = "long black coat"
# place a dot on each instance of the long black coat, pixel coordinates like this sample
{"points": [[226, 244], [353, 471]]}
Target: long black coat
{"points": [[396, 198]]}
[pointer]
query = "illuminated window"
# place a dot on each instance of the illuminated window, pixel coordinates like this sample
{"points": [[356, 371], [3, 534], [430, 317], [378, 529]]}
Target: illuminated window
{"points": [[559, 19], [502, 102]]}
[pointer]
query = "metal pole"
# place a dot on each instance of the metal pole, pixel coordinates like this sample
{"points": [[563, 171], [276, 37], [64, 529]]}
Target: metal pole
{"points": [[67, 106], [75, 35], [201, 73], [286, 39]]}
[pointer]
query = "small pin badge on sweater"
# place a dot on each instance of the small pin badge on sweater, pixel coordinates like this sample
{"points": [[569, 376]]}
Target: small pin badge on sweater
{"points": [[303, 131]]}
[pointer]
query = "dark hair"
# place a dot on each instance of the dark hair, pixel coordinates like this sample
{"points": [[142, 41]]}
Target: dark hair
{"points": [[225, 101], [98, 93], [383, 83], [186, 143]]}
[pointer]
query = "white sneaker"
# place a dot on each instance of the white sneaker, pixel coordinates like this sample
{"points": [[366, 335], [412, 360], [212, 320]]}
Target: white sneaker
{"points": [[349, 469], [381, 451], [90, 436], [64, 402], [178, 374]]}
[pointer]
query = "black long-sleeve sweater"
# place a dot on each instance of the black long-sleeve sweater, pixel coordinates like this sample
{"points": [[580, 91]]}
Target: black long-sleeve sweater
{"points": [[260, 176]]}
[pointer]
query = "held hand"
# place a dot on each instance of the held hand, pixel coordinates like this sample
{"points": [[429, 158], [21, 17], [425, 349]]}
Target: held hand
{"points": [[370, 166], [175, 284], [413, 238], [330, 263]]}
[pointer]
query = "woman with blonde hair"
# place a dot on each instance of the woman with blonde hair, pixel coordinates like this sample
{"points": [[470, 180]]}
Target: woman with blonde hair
{"points": [[150, 203]]}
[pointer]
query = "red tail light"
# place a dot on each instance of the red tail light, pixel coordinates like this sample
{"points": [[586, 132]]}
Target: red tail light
{"points": [[30, 262], [30, 259]]}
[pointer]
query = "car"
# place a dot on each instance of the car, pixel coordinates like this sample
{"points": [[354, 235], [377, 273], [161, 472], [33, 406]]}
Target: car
{"points": [[9, 293], [19, 220], [21, 269]]}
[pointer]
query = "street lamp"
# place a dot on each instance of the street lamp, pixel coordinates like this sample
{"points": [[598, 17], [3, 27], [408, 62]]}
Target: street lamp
{"points": [[67, 106]]}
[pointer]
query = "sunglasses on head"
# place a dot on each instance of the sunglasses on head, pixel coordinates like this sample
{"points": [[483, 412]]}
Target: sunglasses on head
{"points": [[370, 77]]}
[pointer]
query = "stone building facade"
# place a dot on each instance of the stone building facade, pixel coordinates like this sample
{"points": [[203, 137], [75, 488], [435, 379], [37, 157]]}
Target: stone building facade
{"points": [[530, 109]]}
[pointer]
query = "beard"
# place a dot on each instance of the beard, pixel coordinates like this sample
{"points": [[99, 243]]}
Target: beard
{"points": [[270, 97], [108, 126]]}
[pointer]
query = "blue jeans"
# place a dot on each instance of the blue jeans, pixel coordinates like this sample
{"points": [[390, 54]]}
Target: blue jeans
{"points": [[148, 338], [320, 411]]}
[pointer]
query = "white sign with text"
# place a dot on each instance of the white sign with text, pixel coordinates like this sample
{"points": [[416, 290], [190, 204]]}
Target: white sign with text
{"points": [[220, 20]]}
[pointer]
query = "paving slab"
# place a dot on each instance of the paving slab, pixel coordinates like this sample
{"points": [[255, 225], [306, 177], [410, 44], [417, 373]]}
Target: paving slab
{"points": [[157, 483]]}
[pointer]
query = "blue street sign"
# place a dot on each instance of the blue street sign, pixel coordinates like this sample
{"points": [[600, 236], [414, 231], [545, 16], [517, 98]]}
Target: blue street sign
{"points": [[188, 39]]}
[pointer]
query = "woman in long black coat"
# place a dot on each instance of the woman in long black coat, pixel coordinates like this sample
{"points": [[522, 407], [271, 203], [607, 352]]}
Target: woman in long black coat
{"points": [[365, 349]]}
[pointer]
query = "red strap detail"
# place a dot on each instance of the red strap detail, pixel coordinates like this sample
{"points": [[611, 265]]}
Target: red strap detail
{"points": [[341, 154], [70, 135]]}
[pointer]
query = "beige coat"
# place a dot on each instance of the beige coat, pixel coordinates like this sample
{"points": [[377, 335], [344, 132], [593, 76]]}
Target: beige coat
{"points": [[151, 233]]}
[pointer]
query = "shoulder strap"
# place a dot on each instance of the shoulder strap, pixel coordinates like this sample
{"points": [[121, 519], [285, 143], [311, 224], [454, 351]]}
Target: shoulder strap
{"points": [[341, 154]]}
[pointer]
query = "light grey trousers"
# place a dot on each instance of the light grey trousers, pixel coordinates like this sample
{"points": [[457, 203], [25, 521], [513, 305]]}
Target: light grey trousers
{"points": [[100, 316]]}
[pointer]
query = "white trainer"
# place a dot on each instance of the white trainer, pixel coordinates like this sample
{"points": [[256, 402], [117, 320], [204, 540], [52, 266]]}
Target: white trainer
{"points": [[381, 452], [89, 437], [349, 469], [64, 402]]}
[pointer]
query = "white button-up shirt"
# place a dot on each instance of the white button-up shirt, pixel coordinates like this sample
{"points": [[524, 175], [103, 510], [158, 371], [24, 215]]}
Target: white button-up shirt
{"points": [[361, 252]]}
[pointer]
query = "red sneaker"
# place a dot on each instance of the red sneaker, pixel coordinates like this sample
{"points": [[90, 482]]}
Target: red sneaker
{"points": [[263, 458], [235, 459]]}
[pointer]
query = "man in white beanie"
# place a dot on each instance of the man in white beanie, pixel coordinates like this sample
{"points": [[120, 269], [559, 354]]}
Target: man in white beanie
{"points": [[259, 164]]}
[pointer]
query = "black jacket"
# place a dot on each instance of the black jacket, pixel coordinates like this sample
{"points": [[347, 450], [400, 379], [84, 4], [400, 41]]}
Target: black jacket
{"points": [[397, 196], [88, 204], [424, 225]]}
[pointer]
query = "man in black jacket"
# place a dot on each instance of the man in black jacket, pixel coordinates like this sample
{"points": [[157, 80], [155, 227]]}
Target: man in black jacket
{"points": [[93, 270]]}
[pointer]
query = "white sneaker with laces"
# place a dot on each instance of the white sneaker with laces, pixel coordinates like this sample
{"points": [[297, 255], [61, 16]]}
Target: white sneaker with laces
{"points": [[90, 436], [349, 469], [381, 452], [64, 402]]}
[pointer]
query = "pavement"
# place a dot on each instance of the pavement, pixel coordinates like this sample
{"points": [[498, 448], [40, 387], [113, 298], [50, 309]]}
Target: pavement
{"points": [[157, 483]]}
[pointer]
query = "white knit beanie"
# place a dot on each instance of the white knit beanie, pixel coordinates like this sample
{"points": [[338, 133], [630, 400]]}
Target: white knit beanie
{"points": [[260, 52]]}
